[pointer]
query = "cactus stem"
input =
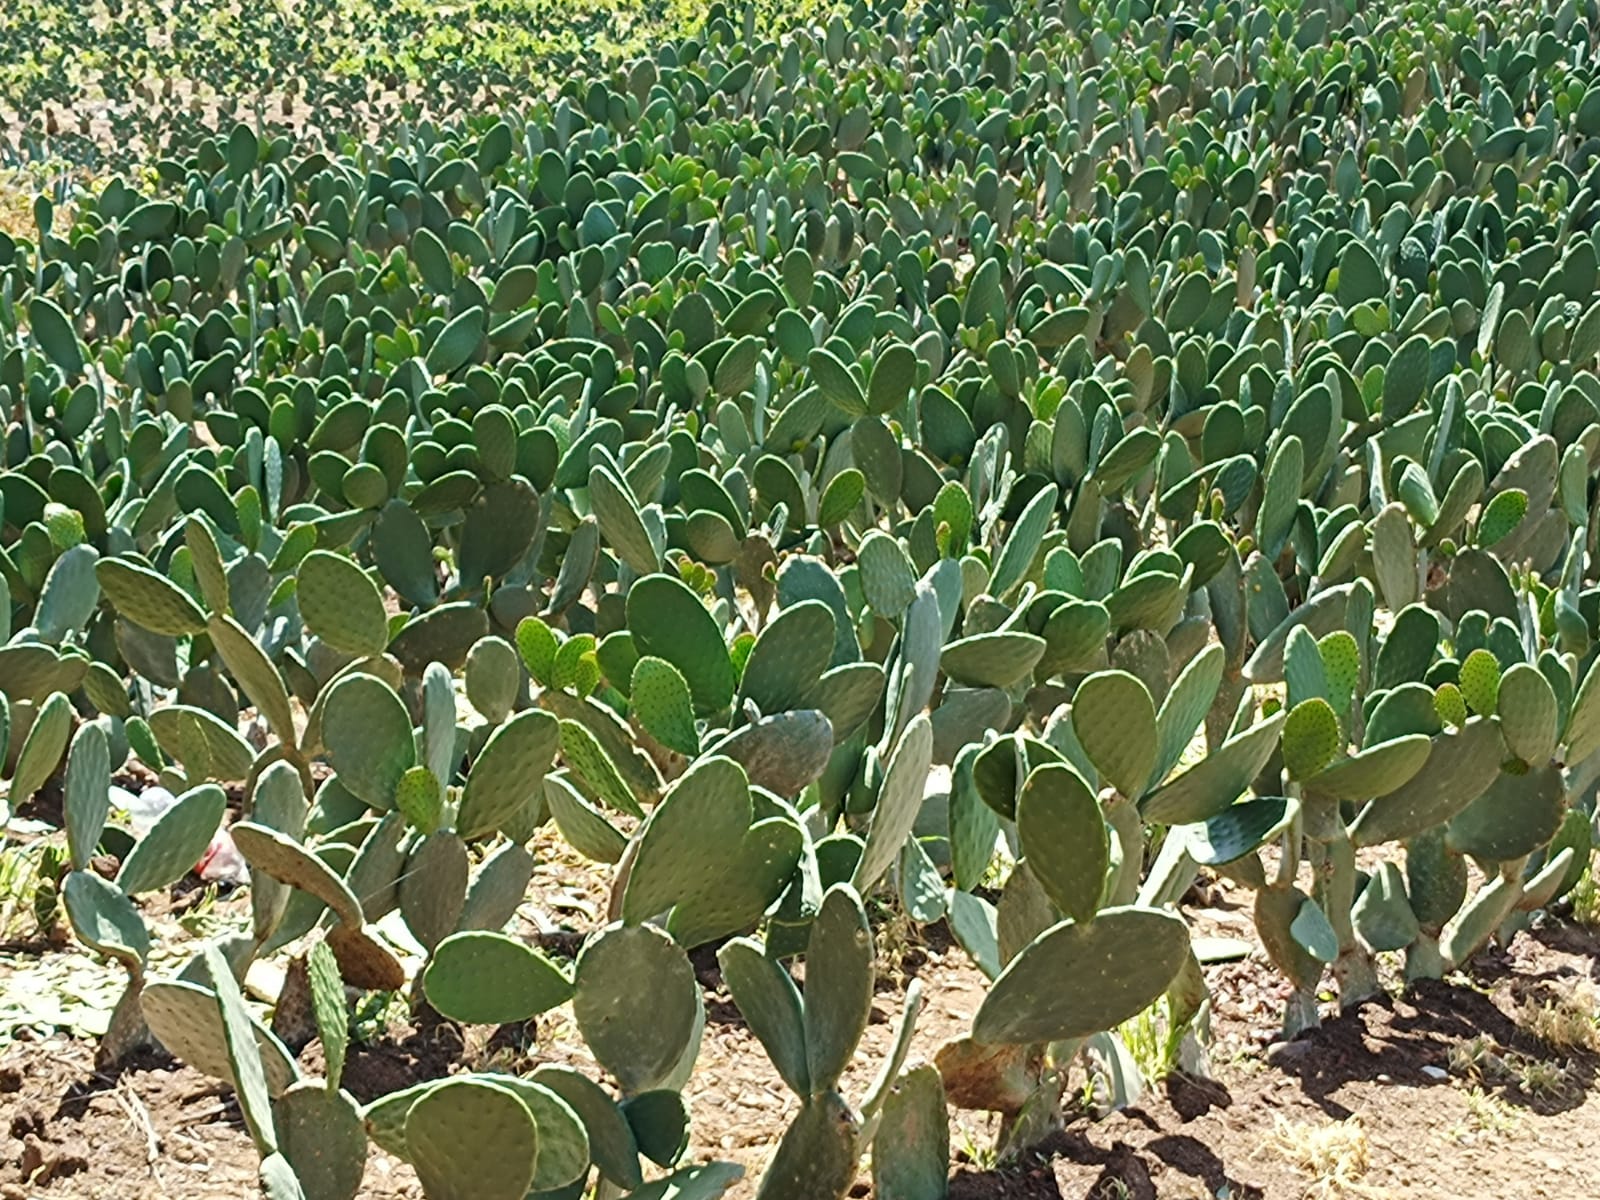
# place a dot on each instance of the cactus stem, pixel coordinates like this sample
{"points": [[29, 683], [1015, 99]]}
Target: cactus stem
{"points": [[1424, 960], [1300, 1014]]}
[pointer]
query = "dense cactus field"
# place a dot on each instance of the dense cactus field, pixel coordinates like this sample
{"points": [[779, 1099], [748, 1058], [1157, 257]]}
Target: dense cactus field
{"points": [[990, 467]]}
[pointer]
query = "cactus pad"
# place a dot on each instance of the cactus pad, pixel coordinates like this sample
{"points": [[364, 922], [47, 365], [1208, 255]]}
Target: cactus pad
{"points": [[1064, 838], [369, 739], [174, 844], [472, 1140], [1074, 980], [637, 1004], [184, 1018], [320, 1133], [489, 979], [1115, 721]]}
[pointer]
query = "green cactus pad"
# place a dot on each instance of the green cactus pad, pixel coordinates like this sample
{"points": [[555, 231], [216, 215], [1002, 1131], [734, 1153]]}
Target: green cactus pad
{"points": [[592, 767], [433, 887], [847, 695], [668, 621], [472, 1140], [493, 675], [584, 826], [1478, 920], [1528, 714], [611, 1139], [1311, 738], [1115, 721], [663, 705], [1516, 815], [708, 1182], [888, 578], [1582, 735], [341, 605], [839, 976], [104, 919], [1185, 706], [489, 979], [497, 888], [287, 861], [70, 594], [620, 524], [330, 1010], [899, 801], [369, 738], [911, 1149], [149, 600], [1217, 780], [563, 1157], [615, 737], [320, 1133], [1238, 830], [660, 1124], [403, 551], [1022, 544], [1403, 711], [184, 1018], [752, 883], [1479, 680], [789, 657], [1024, 912], [207, 747], [782, 753], [1460, 768], [1276, 910], [771, 1006], [637, 1004], [1382, 914], [175, 843], [1075, 637], [419, 800], [816, 1159], [708, 806], [244, 1056], [1074, 980], [87, 785], [374, 876], [998, 660], [507, 771], [255, 674], [1373, 772], [1063, 835]]}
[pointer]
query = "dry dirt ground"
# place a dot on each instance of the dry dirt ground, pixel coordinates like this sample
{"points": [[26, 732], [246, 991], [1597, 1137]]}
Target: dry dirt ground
{"points": [[1471, 1088]]}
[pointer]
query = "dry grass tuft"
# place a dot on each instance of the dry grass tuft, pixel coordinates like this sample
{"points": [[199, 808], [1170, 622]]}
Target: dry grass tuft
{"points": [[1335, 1154], [1569, 1022]]}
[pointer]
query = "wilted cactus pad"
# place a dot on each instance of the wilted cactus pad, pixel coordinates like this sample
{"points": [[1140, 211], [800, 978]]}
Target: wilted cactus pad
{"points": [[587, 517]]}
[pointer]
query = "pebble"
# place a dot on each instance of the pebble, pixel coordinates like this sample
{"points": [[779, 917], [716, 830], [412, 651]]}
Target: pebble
{"points": [[1433, 1072]]}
